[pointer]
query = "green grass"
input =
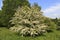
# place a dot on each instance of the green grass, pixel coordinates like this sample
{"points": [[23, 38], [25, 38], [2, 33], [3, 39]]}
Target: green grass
{"points": [[5, 34]]}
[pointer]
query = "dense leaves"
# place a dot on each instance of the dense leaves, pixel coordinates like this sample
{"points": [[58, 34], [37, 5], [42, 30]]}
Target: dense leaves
{"points": [[57, 22], [9, 8]]}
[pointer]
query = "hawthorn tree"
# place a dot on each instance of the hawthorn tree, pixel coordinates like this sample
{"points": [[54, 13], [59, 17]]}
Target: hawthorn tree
{"points": [[28, 21]]}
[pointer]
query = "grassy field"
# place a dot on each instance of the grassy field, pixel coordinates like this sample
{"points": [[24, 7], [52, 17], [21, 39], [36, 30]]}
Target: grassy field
{"points": [[5, 34]]}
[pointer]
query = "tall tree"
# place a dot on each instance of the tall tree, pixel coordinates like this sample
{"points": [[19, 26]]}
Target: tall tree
{"points": [[9, 8]]}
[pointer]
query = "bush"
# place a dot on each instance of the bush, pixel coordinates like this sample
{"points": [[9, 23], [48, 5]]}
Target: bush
{"points": [[28, 21]]}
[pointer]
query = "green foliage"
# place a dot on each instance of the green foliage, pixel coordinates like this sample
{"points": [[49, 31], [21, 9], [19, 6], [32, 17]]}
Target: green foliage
{"points": [[36, 5], [57, 22], [1, 18], [9, 8], [0, 13], [51, 25], [28, 21]]}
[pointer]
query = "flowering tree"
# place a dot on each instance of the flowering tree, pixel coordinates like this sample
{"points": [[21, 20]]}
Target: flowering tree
{"points": [[28, 21]]}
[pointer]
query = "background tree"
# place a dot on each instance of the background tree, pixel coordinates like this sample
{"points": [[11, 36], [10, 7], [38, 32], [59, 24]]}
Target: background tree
{"points": [[1, 18], [37, 6], [57, 22], [51, 24], [9, 8]]}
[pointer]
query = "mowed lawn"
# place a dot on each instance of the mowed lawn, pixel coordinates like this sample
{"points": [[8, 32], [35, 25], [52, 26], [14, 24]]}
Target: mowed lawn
{"points": [[5, 34]]}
